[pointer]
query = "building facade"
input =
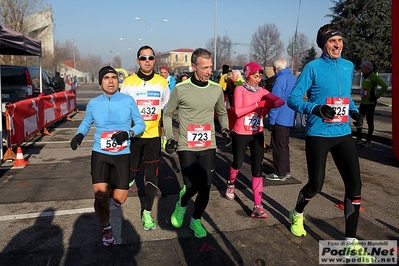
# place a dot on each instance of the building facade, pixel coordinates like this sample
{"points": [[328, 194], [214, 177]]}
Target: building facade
{"points": [[179, 60], [42, 29]]}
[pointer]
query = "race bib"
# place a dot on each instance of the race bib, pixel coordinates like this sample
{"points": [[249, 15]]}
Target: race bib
{"points": [[253, 122], [341, 107], [149, 109], [363, 93], [108, 144], [199, 136]]}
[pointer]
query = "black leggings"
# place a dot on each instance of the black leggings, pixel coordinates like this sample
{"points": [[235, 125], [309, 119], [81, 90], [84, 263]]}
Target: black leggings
{"points": [[198, 169], [367, 110], [255, 144], [344, 153], [150, 149]]}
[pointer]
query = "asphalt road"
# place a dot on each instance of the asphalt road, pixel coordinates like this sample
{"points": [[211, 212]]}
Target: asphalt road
{"points": [[47, 217]]}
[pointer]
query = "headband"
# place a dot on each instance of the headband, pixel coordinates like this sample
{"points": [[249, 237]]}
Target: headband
{"points": [[327, 36]]}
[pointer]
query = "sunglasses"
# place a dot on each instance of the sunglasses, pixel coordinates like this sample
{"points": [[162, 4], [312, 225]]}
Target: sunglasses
{"points": [[146, 57]]}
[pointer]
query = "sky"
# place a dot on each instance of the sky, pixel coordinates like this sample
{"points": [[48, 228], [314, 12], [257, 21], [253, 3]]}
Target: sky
{"points": [[108, 27]]}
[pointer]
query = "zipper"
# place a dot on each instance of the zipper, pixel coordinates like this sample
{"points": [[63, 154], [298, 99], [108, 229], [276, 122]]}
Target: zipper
{"points": [[339, 77]]}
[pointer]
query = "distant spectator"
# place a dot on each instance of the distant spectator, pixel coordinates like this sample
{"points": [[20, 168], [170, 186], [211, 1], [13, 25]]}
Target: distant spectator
{"points": [[280, 121], [222, 79], [270, 78], [369, 97], [68, 80], [233, 80], [121, 78], [164, 72], [58, 82], [183, 77]]}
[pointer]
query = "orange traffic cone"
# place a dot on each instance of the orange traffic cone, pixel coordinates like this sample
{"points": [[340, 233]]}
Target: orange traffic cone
{"points": [[20, 160]]}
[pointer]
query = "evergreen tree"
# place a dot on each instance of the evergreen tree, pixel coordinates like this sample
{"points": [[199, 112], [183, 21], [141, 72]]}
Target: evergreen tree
{"points": [[310, 56], [366, 27]]}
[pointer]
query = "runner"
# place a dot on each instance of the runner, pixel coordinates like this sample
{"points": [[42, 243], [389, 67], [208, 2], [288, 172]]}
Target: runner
{"points": [[327, 81], [196, 100], [151, 93], [112, 114], [252, 103]]}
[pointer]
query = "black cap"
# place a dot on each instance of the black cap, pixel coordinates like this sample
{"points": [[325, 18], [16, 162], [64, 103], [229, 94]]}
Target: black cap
{"points": [[103, 71]]}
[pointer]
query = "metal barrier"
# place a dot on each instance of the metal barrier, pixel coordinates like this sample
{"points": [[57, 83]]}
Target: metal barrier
{"points": [[26, 118]]}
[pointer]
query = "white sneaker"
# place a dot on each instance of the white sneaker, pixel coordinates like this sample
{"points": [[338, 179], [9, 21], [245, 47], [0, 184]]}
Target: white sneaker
{"points": [[230, 191], [275, 177]]}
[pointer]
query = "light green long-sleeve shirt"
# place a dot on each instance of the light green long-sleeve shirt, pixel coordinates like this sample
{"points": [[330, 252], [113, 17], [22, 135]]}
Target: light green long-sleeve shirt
{"points": [[196, 107], [369, 88]]}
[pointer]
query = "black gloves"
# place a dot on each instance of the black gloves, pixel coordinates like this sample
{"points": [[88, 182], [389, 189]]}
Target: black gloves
{"points": [[357, 117], [77, 140], [270, 127], [170, 146], [326, 112], [120, 137], [226, 136]]}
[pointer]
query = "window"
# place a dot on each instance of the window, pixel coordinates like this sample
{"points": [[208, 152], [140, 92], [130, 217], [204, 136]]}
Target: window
{"points": [[185, 58], [176, 58]]}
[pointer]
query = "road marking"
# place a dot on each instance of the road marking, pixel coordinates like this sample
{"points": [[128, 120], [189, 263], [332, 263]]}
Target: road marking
{"points": [[55, 142], [44, 214], [386, 104]]}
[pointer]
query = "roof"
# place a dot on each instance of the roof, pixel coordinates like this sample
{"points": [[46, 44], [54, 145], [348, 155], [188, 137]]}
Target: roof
{"points": [[180, 50], [15, 43]]}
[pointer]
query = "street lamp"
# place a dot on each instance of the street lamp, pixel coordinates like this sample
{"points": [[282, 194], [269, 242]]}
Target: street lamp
{"points": [[111, 57], [151, 26], [74, 66], [131, 51]]}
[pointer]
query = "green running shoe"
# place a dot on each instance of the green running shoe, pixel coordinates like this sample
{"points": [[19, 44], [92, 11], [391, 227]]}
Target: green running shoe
{"points": [[181, 193], [178, 215], [199, 230], [297, 224], [358, 141], [367, 144], [147, 220]]}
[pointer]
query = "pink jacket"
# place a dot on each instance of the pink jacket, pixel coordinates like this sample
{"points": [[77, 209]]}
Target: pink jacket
{"points": [[250, 117]]}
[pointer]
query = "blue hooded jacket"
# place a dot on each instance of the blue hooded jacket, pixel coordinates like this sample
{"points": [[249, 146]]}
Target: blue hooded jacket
{"points": [[320, 79]]}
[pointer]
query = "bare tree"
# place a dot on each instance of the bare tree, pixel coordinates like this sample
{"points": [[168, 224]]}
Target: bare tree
{"points": [[91, 64], [117, 61], [266, 45], [13, 13], [64, 52], [241, 60], [222, 50], [302, 44]]}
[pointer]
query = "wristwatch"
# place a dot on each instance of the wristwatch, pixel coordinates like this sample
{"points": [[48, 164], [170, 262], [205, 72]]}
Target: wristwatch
{"points": [[131, 133]]}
